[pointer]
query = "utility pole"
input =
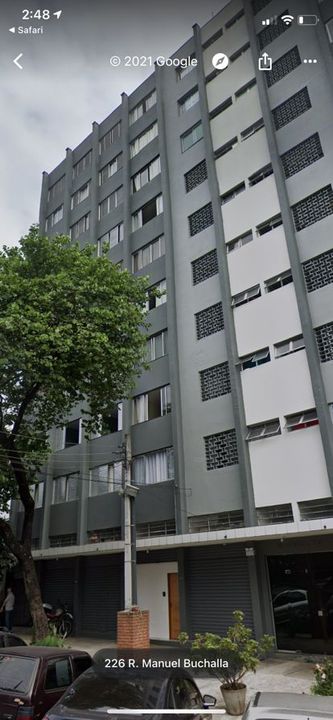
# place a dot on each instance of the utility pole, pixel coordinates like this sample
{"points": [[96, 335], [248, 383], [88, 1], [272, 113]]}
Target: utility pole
{"points": [[129, 492]]}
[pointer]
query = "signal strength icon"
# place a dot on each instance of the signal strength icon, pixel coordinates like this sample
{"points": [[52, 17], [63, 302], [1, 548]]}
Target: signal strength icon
{"points": [[287, 19]]}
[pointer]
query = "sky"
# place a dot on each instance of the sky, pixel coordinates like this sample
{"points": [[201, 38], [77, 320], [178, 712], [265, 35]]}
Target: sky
{"points": [[67, 82]]}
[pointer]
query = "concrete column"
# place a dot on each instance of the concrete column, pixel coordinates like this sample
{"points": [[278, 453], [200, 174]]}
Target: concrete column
{"points": [[43, 202]]}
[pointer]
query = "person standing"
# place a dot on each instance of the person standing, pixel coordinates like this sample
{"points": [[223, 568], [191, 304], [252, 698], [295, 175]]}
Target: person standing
{"points": [[8, 607]]}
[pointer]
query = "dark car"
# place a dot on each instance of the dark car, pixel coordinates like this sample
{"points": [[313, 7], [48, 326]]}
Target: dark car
{"points": [[95, 695], [8, 639], [32, 679]]}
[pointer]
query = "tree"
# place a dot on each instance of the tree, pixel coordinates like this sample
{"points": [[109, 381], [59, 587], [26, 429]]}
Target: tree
{"points": [[70, 333]]}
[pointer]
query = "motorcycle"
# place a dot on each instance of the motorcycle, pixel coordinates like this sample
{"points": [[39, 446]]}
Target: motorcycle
{"points": [[59, 618]]}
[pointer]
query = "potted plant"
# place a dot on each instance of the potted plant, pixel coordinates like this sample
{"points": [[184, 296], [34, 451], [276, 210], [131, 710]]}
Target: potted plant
{"points": [[241, 654], [323, 678]]}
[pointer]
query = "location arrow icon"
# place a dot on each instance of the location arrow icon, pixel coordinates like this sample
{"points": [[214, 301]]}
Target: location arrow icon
{"points": [[16, 61], [12, 30]]}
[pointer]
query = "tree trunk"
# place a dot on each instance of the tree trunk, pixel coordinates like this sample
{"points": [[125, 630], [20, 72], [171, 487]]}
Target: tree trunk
{"points": [[32, 590]]}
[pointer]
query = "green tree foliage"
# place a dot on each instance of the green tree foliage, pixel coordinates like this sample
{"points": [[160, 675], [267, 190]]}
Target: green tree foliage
{"points": [[70, 334], [241, 651]]}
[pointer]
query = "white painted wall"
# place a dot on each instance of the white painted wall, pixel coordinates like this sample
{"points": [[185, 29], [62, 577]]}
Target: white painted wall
{"points": [[278, 388], [152, 579], [258, 261], [289, 467], [271, 318], [230, 79], [251, 207]]}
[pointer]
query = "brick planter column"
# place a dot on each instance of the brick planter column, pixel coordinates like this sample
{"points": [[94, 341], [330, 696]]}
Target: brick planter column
{"points": [[133, 629]]}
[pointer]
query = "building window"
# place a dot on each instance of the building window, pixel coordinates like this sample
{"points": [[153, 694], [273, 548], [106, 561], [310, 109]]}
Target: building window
{"points": [[289, 346], [246, 296], [201, 219], [155, 300], [278, 281], [110, 137], [209, 321], [142, 107], [196, 176], [143, 139], [110, 239], [80, 227], [216, 521], [267, 429], [221, 450], [324, 337], [181, 72], [291, 109], [302, 155], [110, 203], [37, 493], [269, 225], [234, 19], [157, 345], [204, 267], [260, 175], [316, 509], [63, 541], [150, 210], [302, 420], [80, 195], [255, 359], [239, 52], [191, 137], [318, 271], [212, 39], [252, 129], [112, 421], [212, 75], [66, 488], [104, 535], [82, 164], [215, 381], [110, 169], [105, 479], [187, 102], [245, 88], [270, 32], [283, 66], [152, 405], [54, 218], [144, 176], [313, 208], [73, 433], [239, 241], [225, 148], [156, 529], [148, 253], [231, 194], [154, 467], [271, 515], [220, 108], [56, 189]]}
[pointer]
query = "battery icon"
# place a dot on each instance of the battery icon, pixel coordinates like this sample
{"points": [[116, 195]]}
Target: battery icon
{"points": [[307, 19]]}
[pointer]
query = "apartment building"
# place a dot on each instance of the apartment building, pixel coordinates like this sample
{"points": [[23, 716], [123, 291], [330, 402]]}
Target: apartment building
{"points": [[218, 185]]}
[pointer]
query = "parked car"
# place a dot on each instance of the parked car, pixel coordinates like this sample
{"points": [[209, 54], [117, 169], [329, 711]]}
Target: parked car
{"points": [[95, 692], [33, 678], [8, 639], [290, 706]]}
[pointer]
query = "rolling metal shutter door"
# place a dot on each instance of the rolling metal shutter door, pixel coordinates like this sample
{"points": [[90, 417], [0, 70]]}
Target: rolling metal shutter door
{"points": [[101, 595], [217, 583], [57, 581]]}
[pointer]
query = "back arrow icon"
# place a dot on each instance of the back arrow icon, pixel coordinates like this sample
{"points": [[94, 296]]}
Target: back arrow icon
{"points": [[16, 61]]}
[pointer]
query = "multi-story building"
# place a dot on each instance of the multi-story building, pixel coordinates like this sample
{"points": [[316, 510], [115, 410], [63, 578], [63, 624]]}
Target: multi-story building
{"points": [[218, 185]]}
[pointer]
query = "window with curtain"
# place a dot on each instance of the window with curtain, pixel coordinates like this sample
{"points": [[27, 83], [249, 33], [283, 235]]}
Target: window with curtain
{"points": [[151, 405], [105, 479], [153, 467]]}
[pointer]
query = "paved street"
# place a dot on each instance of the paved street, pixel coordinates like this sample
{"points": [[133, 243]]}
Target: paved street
{"points": [[279, 674]]}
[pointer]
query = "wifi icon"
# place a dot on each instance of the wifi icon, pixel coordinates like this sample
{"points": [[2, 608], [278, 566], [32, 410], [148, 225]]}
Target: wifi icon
{"points": [[287, 19]]}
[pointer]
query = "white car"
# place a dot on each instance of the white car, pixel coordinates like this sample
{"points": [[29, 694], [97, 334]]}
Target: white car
{"points": [[289, 706]]}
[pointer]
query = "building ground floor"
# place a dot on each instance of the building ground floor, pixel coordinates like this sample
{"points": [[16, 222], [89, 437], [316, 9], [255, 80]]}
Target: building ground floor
{"points": [[283, 585]]}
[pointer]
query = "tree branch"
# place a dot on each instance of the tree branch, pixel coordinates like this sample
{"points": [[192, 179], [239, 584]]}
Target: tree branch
{"points": [[29, 396]]}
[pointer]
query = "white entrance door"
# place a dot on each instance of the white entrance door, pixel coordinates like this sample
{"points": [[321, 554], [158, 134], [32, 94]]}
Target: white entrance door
{"points": [[152, 581]]}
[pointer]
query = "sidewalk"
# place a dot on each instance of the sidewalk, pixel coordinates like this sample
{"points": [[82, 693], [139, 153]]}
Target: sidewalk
{"points": [[281, 673]]}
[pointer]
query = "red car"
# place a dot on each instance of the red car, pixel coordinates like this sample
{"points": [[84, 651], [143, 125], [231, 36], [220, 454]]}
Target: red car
{"points": [[32, 679]]}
